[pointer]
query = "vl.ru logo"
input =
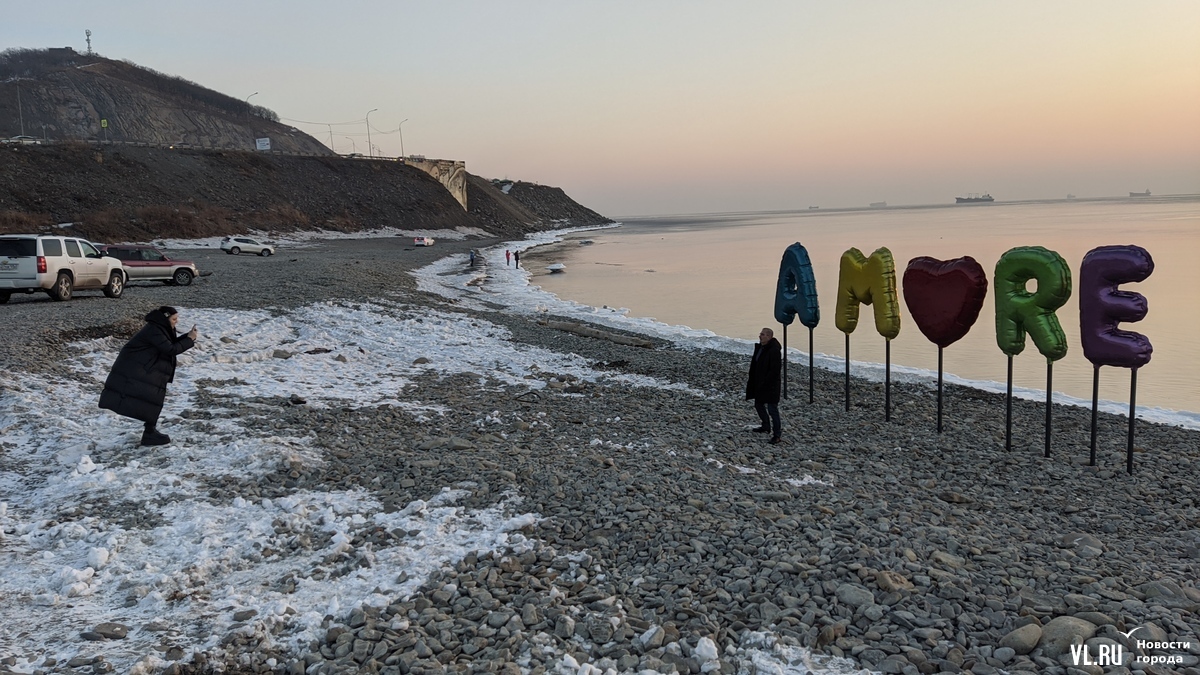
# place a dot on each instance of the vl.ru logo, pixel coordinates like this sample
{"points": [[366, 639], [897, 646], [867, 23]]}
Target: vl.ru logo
{"points": [[1106, 655]]}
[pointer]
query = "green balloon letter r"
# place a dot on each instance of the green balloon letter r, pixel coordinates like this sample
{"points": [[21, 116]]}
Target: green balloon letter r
{"points": [[1019, 312]]}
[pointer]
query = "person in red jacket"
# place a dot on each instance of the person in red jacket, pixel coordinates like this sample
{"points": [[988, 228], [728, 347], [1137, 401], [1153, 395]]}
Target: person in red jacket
{"points": [[764, 382], [137, 384]]}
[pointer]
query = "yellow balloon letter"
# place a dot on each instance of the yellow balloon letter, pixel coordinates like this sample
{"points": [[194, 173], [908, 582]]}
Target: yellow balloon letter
{"points": [[870, 281]]}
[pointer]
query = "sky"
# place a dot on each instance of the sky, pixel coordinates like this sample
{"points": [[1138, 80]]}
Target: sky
{"points": [[666, 107]]}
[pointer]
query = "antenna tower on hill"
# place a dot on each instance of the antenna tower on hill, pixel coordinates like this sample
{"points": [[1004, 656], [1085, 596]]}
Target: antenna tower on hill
{"points": [[89, 40]]}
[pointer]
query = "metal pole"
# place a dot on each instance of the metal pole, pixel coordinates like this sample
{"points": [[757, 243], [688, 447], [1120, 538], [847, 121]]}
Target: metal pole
{"points": [[887, 381], [369, 152], [1132, 417], [248, 117], [810, 365], [353, 145], [1049, 400], [1095, 404], [1008, 410], [20, 113], [785, 361], [847, 372], [401, 130], [939, 390]]}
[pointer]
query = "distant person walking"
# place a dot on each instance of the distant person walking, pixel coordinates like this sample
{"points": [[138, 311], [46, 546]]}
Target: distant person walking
{"points": [[507, 257], [137, 384], [763, 383], [472, 257], [516, 258]]}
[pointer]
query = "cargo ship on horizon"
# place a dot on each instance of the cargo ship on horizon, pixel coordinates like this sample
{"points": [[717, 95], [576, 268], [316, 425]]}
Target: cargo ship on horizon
{"points": [[974, 199]]}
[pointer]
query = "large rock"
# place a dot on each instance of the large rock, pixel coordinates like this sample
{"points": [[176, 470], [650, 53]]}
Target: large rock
{"points": [[1061, 633], [1024, 639], [855, 596]]}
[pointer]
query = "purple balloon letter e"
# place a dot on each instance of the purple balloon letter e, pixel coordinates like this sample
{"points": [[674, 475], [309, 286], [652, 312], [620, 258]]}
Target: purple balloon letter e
{"points": [[1102, 306]]}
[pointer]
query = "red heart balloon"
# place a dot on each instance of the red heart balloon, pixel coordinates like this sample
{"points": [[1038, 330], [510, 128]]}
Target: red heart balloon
{"points": [[944, 296]]}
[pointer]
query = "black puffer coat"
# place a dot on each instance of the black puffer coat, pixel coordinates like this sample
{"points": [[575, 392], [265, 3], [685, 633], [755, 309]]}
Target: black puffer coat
{"points": [[137, 384], [764, 380]]}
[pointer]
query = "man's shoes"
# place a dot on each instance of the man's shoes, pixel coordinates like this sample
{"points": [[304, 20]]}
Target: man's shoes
{"points": [[761, 430], [775, 440], [155, 437]]}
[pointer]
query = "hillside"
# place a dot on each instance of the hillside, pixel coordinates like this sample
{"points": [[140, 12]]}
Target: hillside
{"points": [[65, 96], [118, 193], [176, 161]]}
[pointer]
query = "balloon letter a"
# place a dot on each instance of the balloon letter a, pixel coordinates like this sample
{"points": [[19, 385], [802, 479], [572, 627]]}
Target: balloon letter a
{"points": [[1102, 306], [863, 280], [796, 292], [1019, 312]]}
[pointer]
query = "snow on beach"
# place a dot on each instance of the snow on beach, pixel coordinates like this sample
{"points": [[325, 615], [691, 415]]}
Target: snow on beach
{"points": [[74, 493], [304, 238]]}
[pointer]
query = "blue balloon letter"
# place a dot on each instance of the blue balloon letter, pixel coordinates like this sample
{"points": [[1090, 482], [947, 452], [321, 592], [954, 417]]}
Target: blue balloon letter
{"points": [[796, 291]]}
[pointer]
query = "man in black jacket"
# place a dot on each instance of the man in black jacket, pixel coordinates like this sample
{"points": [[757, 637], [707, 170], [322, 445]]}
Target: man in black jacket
{"points": [[763, 383], [137, 384]]}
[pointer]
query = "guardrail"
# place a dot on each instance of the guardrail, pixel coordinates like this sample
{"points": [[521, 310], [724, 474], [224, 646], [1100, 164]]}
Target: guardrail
{"points": [[194, 146]]}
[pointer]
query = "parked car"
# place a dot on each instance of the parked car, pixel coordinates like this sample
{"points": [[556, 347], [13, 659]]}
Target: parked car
{"points": [[22, 140], [235, 245], [146, 263], [423, 241], [56, 265]]}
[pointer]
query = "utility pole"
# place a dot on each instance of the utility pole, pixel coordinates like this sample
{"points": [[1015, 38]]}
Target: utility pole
{"points": [[369, 131], [331, 137], [401, 130], [20, 113]]}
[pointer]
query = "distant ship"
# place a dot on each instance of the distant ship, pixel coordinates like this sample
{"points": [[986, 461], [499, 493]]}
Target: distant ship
{"points": [[1140, 194], [878, 205], [973, 199], [813, 207], [1070, 196]]}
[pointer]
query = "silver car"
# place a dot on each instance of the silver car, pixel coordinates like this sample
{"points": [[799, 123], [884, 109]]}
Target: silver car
{"points": [[236, 245]]}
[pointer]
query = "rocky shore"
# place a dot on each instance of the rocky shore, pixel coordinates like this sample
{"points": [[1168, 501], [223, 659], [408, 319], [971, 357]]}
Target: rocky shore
{"points": [[669, 538]]}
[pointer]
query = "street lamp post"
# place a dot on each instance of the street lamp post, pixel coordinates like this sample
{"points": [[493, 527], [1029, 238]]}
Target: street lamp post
{"points": [[400, 129], [248, 114], [369, 131], [353, 145]]}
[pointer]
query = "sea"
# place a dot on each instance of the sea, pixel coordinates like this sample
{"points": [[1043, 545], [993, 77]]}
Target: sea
{"points": [[718, 272]]}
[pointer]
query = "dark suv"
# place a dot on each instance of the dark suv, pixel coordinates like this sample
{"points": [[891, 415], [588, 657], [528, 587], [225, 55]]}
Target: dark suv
{"points": [[146, 263]]}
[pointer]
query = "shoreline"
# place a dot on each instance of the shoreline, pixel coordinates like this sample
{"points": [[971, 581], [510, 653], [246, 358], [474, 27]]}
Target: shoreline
{"points": [[646, 529], [867, 370]]}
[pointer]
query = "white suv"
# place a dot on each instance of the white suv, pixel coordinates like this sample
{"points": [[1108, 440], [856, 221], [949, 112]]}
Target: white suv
{"points": [[236, 245], [56, 265]]}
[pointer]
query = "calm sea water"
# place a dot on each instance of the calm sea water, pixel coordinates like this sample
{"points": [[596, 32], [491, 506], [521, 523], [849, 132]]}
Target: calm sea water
{"points": [[719, 272]]}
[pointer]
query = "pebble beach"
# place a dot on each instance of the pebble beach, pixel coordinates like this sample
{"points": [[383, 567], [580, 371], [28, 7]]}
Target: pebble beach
{"points": [[385, 460]]}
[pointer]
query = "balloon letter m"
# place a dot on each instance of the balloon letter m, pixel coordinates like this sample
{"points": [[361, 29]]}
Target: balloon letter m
{"points": [[1019, 311], [796, 292], [869, 281]]}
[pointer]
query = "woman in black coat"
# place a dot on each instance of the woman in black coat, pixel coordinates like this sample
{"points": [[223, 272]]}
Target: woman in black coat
{"points": [[764, 382], [137, 384]]}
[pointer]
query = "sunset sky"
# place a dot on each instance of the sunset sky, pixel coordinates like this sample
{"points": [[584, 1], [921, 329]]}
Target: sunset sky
{"points": [[656, 107]]}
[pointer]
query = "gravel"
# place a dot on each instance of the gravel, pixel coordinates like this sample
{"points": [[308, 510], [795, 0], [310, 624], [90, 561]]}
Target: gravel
{"points": [[684, 541]]}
